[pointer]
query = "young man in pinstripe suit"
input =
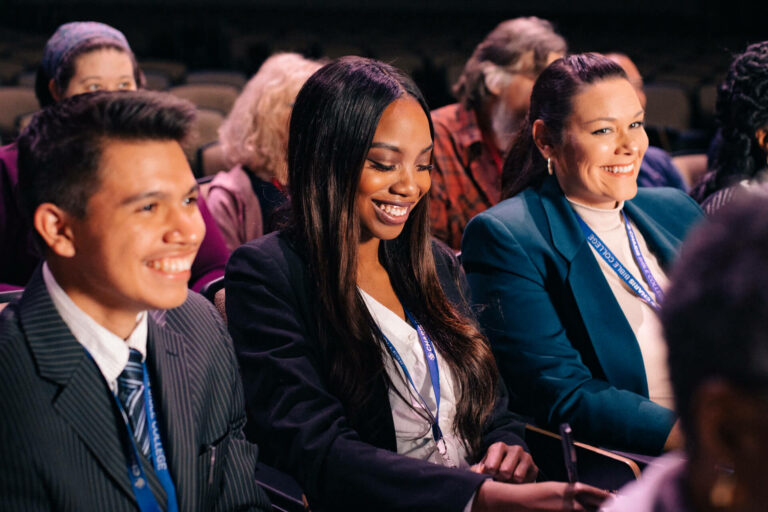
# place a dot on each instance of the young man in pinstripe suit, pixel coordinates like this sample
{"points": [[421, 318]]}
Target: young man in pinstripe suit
{"points": [[119, 389]]}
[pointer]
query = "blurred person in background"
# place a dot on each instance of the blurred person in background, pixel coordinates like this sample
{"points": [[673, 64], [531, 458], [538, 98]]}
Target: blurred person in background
{"points": [[738, 158], [714, 323], [473, 136], [657, 169], [80, 57], [244, 200]]}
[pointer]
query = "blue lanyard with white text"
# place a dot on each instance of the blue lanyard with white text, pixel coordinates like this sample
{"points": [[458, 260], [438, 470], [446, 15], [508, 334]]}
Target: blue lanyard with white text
{"points": [[434, 372], [655, 288], [139, 484], [620, 270]]}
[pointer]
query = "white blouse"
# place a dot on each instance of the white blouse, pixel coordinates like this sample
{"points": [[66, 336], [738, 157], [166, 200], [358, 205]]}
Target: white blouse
{"points": [[413, 429], [609, 226]]}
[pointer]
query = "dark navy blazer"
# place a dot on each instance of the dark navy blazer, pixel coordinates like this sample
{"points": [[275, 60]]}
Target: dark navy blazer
{"points": [[302, 427], [561, 340]]}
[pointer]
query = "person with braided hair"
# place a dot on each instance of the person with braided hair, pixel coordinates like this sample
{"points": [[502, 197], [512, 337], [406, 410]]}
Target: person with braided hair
{"points": [[738, 162]]}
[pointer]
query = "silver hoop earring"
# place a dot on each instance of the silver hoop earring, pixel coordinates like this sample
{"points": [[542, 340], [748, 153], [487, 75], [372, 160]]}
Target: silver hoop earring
{"points": [[549, 167]]}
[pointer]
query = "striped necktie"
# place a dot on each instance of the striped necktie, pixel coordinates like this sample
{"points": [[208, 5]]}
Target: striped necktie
{"points": [[130, 392]]}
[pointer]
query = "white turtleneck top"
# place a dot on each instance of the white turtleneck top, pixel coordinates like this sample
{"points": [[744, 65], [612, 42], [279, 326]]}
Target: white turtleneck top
{"points": [[609, 226]]}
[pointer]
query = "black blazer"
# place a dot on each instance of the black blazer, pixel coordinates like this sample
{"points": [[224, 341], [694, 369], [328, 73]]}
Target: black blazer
{"points": [[61, 439], [299, 424]]}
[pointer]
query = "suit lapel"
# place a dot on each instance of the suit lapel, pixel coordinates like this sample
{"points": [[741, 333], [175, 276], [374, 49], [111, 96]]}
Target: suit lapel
{"points": [[85, 402], [663, 243], [170, 387], [612, 337]]}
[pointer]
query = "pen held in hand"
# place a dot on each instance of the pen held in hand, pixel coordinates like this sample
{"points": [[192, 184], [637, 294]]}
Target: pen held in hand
{"points": [[569, 452]]}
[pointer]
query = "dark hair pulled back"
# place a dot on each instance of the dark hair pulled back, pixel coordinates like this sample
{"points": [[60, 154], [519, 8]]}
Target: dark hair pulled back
{"points": [[551, 101]]}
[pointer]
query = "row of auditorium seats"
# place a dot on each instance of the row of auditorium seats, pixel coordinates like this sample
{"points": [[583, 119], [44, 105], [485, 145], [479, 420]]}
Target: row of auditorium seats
{"points": [[241, 42], [681, 75], [18, 104], [672, 103], [669, 108]]}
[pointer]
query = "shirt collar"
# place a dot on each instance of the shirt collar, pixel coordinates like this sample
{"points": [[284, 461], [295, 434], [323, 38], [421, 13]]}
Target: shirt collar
{"points": [[108, 351], [398, 331], [468, 131], [599, 219]]}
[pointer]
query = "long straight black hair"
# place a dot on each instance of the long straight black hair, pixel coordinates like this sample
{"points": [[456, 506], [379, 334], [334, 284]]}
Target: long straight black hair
{"points": [[332, 126]]}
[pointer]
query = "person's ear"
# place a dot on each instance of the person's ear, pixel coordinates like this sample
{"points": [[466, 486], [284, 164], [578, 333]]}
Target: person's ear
{"points": [[720, 414], [54, 226], [543, 139], [54, 90], [761, 136], [495, 79]]}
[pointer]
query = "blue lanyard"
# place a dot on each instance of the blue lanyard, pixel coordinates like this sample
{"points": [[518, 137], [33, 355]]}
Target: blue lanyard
{"points": [[655, 288], [620, 270], [434, 372], [139, 484]]}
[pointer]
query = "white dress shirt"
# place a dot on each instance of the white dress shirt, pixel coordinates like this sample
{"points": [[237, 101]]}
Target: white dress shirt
{"points": [[413, 430], [109, 351]]}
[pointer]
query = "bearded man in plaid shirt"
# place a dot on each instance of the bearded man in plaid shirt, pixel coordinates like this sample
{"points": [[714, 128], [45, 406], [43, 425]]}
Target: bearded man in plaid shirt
{"points": [[473, 135]]}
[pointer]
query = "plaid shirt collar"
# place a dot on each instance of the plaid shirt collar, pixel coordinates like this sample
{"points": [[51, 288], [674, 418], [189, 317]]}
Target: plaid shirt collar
{"points": [[468, 132]]}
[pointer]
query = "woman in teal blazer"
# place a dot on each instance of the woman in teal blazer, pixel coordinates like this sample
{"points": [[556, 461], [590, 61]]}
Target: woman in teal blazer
{"points": [[562, 341]]}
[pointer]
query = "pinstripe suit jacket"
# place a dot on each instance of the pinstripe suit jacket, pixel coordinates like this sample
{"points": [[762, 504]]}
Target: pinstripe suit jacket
{"points": [[62, 440]]}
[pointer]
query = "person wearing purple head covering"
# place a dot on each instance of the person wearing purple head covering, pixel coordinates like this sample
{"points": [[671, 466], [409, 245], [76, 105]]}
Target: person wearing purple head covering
{"points": [[85, 56], [81, 57]]}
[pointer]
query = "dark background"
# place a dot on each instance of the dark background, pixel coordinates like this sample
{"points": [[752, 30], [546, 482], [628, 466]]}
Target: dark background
{"points": [[685, 43], [200, 32]]}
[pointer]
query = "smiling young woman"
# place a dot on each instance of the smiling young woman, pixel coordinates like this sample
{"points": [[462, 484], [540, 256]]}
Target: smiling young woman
{"points": [[362, 365], [569, 271], [603, 145]]}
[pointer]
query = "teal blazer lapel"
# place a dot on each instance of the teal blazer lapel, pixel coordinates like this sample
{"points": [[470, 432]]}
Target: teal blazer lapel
{"points": [[84, 401], [567, 237], [612, 337], [170, 386], [663, 243]]}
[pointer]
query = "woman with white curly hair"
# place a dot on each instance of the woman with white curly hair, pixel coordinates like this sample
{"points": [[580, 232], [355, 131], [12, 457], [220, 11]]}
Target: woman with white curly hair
{"points": [[254, 137]]}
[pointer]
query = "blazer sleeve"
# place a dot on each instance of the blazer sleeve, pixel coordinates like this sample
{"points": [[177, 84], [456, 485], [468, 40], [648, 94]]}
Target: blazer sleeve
{"points": [[543, 367], [239, 489], [223, 206], [212, 257], [502, 425], [23, 487], [295, 417]]}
